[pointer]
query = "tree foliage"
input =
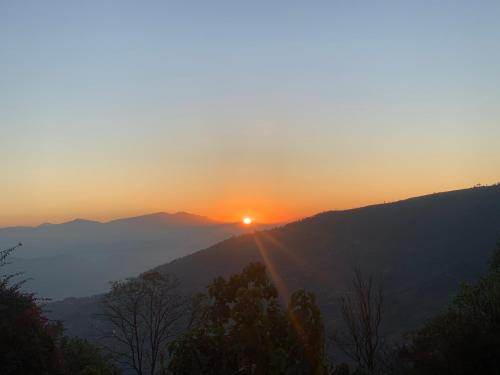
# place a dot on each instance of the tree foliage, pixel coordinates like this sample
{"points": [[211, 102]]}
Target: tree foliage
{"points": [[28, 340], [306, 332], [80, 357], [31, 344], [465, 339], [244, 330], [5, 279]]}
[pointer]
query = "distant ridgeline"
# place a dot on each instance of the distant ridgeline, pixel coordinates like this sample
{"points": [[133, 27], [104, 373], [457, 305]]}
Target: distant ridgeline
{"points": [[421, 249], [80, 257]]}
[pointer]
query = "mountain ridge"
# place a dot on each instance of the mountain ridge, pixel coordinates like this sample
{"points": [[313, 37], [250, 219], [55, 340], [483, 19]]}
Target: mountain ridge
{"points": [[421, 248], [92, 253], [160, 214]]}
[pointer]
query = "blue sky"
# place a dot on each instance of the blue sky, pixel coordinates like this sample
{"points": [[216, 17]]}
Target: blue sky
{"points": [[228, 107]]}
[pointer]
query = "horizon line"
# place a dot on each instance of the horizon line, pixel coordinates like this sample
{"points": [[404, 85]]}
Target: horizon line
{"points": [[134, 216]]}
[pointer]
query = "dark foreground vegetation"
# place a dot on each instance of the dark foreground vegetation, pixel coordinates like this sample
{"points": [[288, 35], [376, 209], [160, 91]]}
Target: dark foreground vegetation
{"points": [[420, 249], [243, 325], [31, 344]]}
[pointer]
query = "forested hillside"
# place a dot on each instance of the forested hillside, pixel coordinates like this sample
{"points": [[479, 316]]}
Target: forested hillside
{"points": [[421, 249]]}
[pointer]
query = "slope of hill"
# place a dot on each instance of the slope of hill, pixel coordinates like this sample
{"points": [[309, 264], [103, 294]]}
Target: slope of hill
{"points": [[80, 257], [421, 248]]}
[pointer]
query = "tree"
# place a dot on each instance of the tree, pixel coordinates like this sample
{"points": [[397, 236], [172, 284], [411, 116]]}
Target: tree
{"points": [[243, 330], [31, 344], [28, 340], [6, 278], [80, 357], [140, 316], [307, 332], [464, 339], [362, 310]]}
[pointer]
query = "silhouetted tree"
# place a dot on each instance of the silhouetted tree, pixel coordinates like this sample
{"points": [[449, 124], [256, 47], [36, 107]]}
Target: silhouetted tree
{"points": [[362, 311], [306, 330], [6, 278], [31, 344], [243, 330], [141, 315], [464, 339], [28, 340], [80, 357]]}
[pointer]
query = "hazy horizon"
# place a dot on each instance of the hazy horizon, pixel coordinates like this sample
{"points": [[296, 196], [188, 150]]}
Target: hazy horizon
{"points": [[268, 109], [107, 218]]}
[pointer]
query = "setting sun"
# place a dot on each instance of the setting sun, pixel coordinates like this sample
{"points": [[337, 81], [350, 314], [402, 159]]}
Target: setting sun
{"points": [[247, 220]]}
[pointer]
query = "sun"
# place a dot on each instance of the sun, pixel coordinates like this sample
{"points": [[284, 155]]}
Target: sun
{"points": [[247, 220]]}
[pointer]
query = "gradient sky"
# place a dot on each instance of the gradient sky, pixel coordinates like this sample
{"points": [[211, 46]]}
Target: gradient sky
{"points": [[275, 109]]}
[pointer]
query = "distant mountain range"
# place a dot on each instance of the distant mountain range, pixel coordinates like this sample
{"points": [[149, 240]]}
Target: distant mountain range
{"points": [[80, 257], [421, 249]]}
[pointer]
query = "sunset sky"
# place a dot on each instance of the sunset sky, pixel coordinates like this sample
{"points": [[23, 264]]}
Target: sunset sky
{"points": [[271, 109]]}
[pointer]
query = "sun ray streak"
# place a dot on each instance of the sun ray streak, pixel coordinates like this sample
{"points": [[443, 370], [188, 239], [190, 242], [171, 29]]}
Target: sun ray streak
{"points": [[277, 280], [298, 260], [283, 292]]}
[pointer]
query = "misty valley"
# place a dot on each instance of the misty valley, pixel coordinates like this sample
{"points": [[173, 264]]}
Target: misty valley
{"points": [[296, 298]]}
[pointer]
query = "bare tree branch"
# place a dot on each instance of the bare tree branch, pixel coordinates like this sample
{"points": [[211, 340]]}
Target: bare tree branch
{"points": [[362, 312], [141, 316]]}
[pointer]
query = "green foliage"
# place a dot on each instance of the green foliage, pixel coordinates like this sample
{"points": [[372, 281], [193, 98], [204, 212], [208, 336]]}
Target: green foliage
{"points": [[494, 263], [84, 358], [344, 369], [466, 338], [244, 330], [306, 332], [30, 344], [5, 280], [28, 341]]}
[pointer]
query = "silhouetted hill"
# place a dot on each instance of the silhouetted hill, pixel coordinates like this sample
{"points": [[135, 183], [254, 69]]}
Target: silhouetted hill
{"points": [[421, 248], [80, 257]]}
